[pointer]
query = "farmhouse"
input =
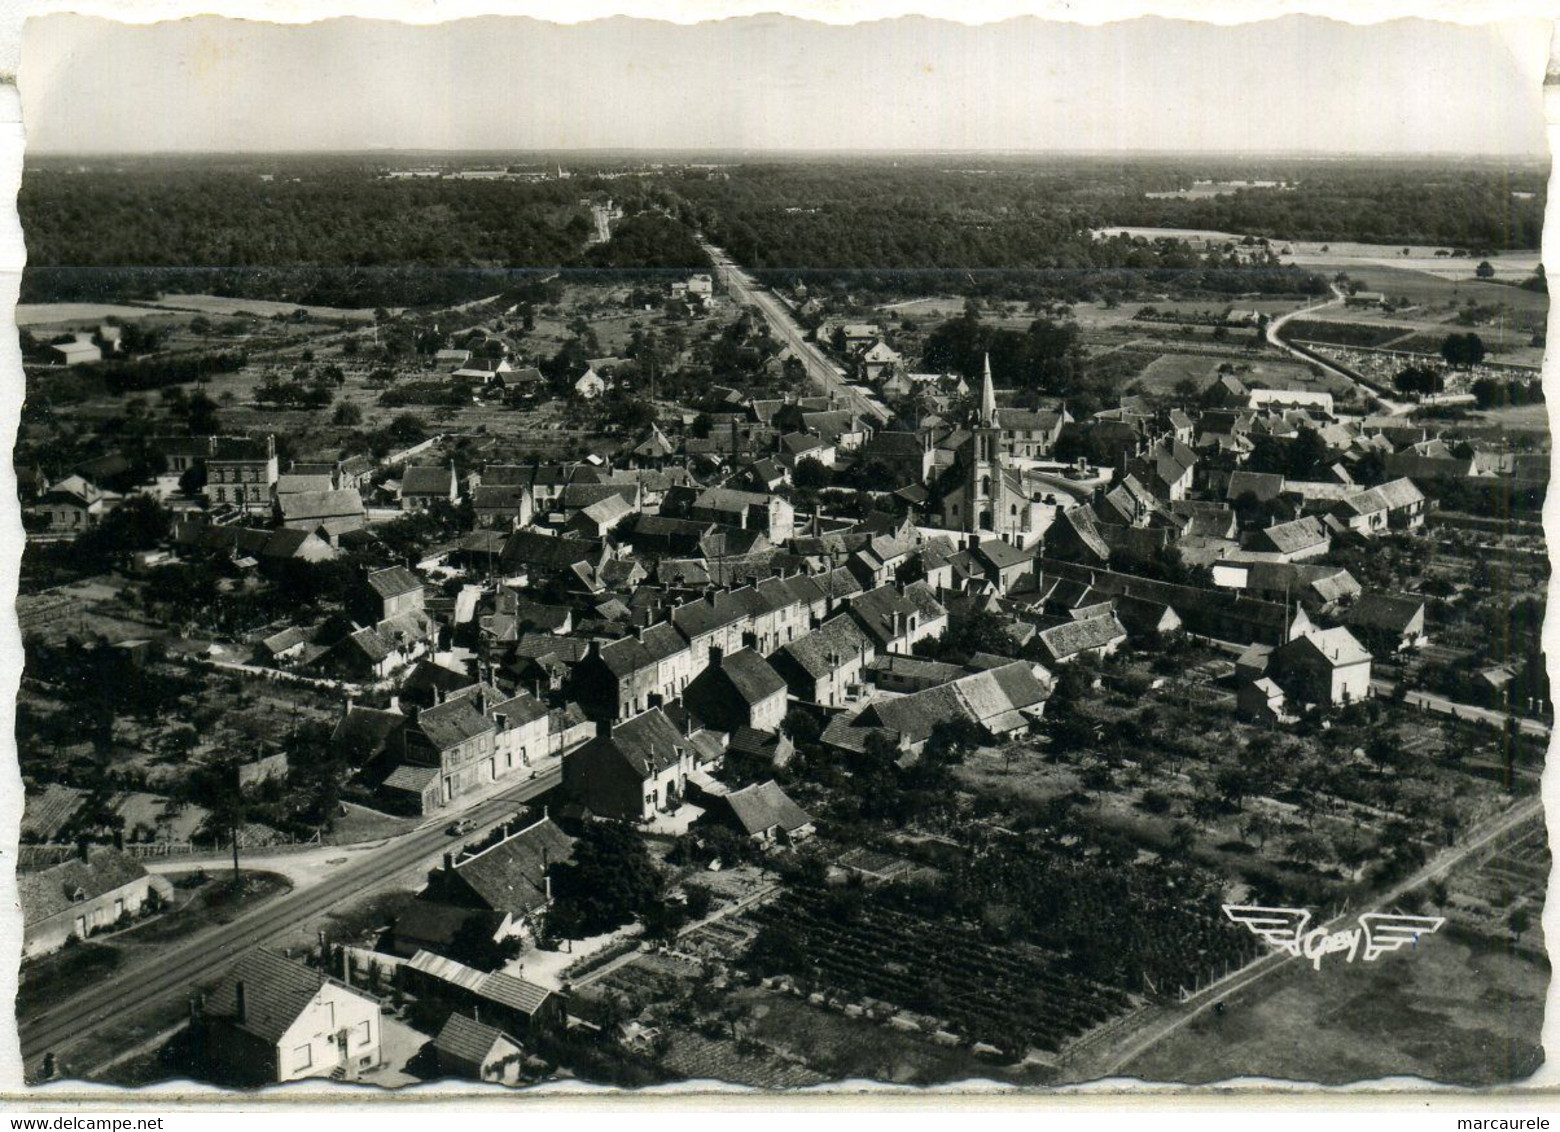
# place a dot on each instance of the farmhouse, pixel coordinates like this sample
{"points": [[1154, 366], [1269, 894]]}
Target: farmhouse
{"points": [[1388, 622], [763, 813], [92, 892]]}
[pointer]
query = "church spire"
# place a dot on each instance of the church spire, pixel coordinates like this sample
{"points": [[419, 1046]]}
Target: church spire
{"points": [[988, 398]]}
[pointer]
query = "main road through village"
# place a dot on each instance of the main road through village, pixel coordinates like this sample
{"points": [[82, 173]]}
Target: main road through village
{"points": [[820, 369], [150, 982]]}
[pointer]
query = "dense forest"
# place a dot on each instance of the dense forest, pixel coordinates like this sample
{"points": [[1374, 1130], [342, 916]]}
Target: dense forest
{"points": [[1473, 208], [338, 232], [330, 234]]}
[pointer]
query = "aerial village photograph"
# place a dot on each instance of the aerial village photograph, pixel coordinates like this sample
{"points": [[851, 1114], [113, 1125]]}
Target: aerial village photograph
{"points": [[796, 565]]}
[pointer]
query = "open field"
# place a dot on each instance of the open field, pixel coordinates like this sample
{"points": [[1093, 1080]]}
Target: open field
{"points": [[1167, 371], [1433, 291], [1347, 257], [52, 314], [1458, 1008], [1527, 418], [220, 305]]}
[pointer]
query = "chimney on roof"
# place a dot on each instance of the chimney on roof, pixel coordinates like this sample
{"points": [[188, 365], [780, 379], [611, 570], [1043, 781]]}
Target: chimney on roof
{"points": [[240, 1003], [709, 596], [83, 850], [717, 654], [395, 702], [449, 862]]}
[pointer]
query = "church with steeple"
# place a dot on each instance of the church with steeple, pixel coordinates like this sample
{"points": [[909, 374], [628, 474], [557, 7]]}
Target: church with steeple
{"points": [[981, 495]]}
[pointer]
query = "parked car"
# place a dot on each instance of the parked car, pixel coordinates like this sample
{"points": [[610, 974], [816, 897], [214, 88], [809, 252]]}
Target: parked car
{"points": [[464, 825]]}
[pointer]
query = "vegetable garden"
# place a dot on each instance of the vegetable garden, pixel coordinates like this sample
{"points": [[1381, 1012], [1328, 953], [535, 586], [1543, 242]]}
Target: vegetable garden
{"points": [[1012, 996]]}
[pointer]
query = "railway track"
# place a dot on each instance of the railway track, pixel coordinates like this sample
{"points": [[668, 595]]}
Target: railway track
{"points": [[208, 954]]}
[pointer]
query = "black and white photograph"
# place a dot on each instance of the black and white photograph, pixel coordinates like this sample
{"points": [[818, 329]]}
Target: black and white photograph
{"points": [[779, 554]]}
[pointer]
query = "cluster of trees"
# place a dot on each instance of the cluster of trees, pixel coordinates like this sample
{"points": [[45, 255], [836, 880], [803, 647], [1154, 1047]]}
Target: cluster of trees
{"points": [[305, 389], [1492, 393], [1463, 350], [1419, 380], [610, 882], [142, 374], [649, 242], [1047, 357]]}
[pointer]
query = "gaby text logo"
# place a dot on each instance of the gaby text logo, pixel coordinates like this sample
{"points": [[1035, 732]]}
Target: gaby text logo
{"points": [[1378, 932]]}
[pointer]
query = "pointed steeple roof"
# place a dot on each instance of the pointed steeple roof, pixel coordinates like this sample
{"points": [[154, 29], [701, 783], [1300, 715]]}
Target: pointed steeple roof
{"points": [[988, 397]]}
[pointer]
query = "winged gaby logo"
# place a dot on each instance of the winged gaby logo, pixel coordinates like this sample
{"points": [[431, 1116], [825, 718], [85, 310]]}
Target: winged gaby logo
{"points": [[1284, 929]]}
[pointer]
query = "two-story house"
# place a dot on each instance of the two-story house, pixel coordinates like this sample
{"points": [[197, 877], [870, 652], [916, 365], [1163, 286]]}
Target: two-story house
{"points": [[273, 1019], [636, 770], [242, 471]]}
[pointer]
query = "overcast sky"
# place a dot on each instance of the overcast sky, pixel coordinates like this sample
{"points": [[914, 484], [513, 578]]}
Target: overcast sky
{"points": [[1296, 84]]}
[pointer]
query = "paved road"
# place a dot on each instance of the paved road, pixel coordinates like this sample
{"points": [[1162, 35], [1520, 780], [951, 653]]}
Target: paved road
{"points": [[1478, 840], [1432, 702], [1392, 408], [823, 372], [173, 972]]}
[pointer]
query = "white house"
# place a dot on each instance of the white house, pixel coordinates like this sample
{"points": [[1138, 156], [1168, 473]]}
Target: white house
{"points": [[273, 1019]]}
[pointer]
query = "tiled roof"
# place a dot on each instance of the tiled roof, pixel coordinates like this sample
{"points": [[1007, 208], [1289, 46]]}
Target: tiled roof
{"points": [[320, 504], [428, 480], [362, 731], [751, 676], [839, 635], [1400, 493], [876, 611], [499, 496], [393, 582], [53, 890], [1296, 535], [454, 722], [510, 876], [276, 992], [1368, 502], [1337, 646], [1384, 612], [467, 1039], [413, 779], [647, 743], [527, 548], [1073, 637], [764, 806], [1263, 485]]}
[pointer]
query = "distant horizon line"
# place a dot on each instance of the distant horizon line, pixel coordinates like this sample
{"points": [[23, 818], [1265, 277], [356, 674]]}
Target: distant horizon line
{"points": [[1532, 156]]}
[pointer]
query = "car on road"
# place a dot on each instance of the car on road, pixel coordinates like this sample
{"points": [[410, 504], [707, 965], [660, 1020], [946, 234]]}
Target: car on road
{"points": [[464, 825]]}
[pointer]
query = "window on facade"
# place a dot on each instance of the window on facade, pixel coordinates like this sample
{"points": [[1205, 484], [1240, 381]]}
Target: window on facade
{"points": [[364, 1033], [303, 1057]]}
